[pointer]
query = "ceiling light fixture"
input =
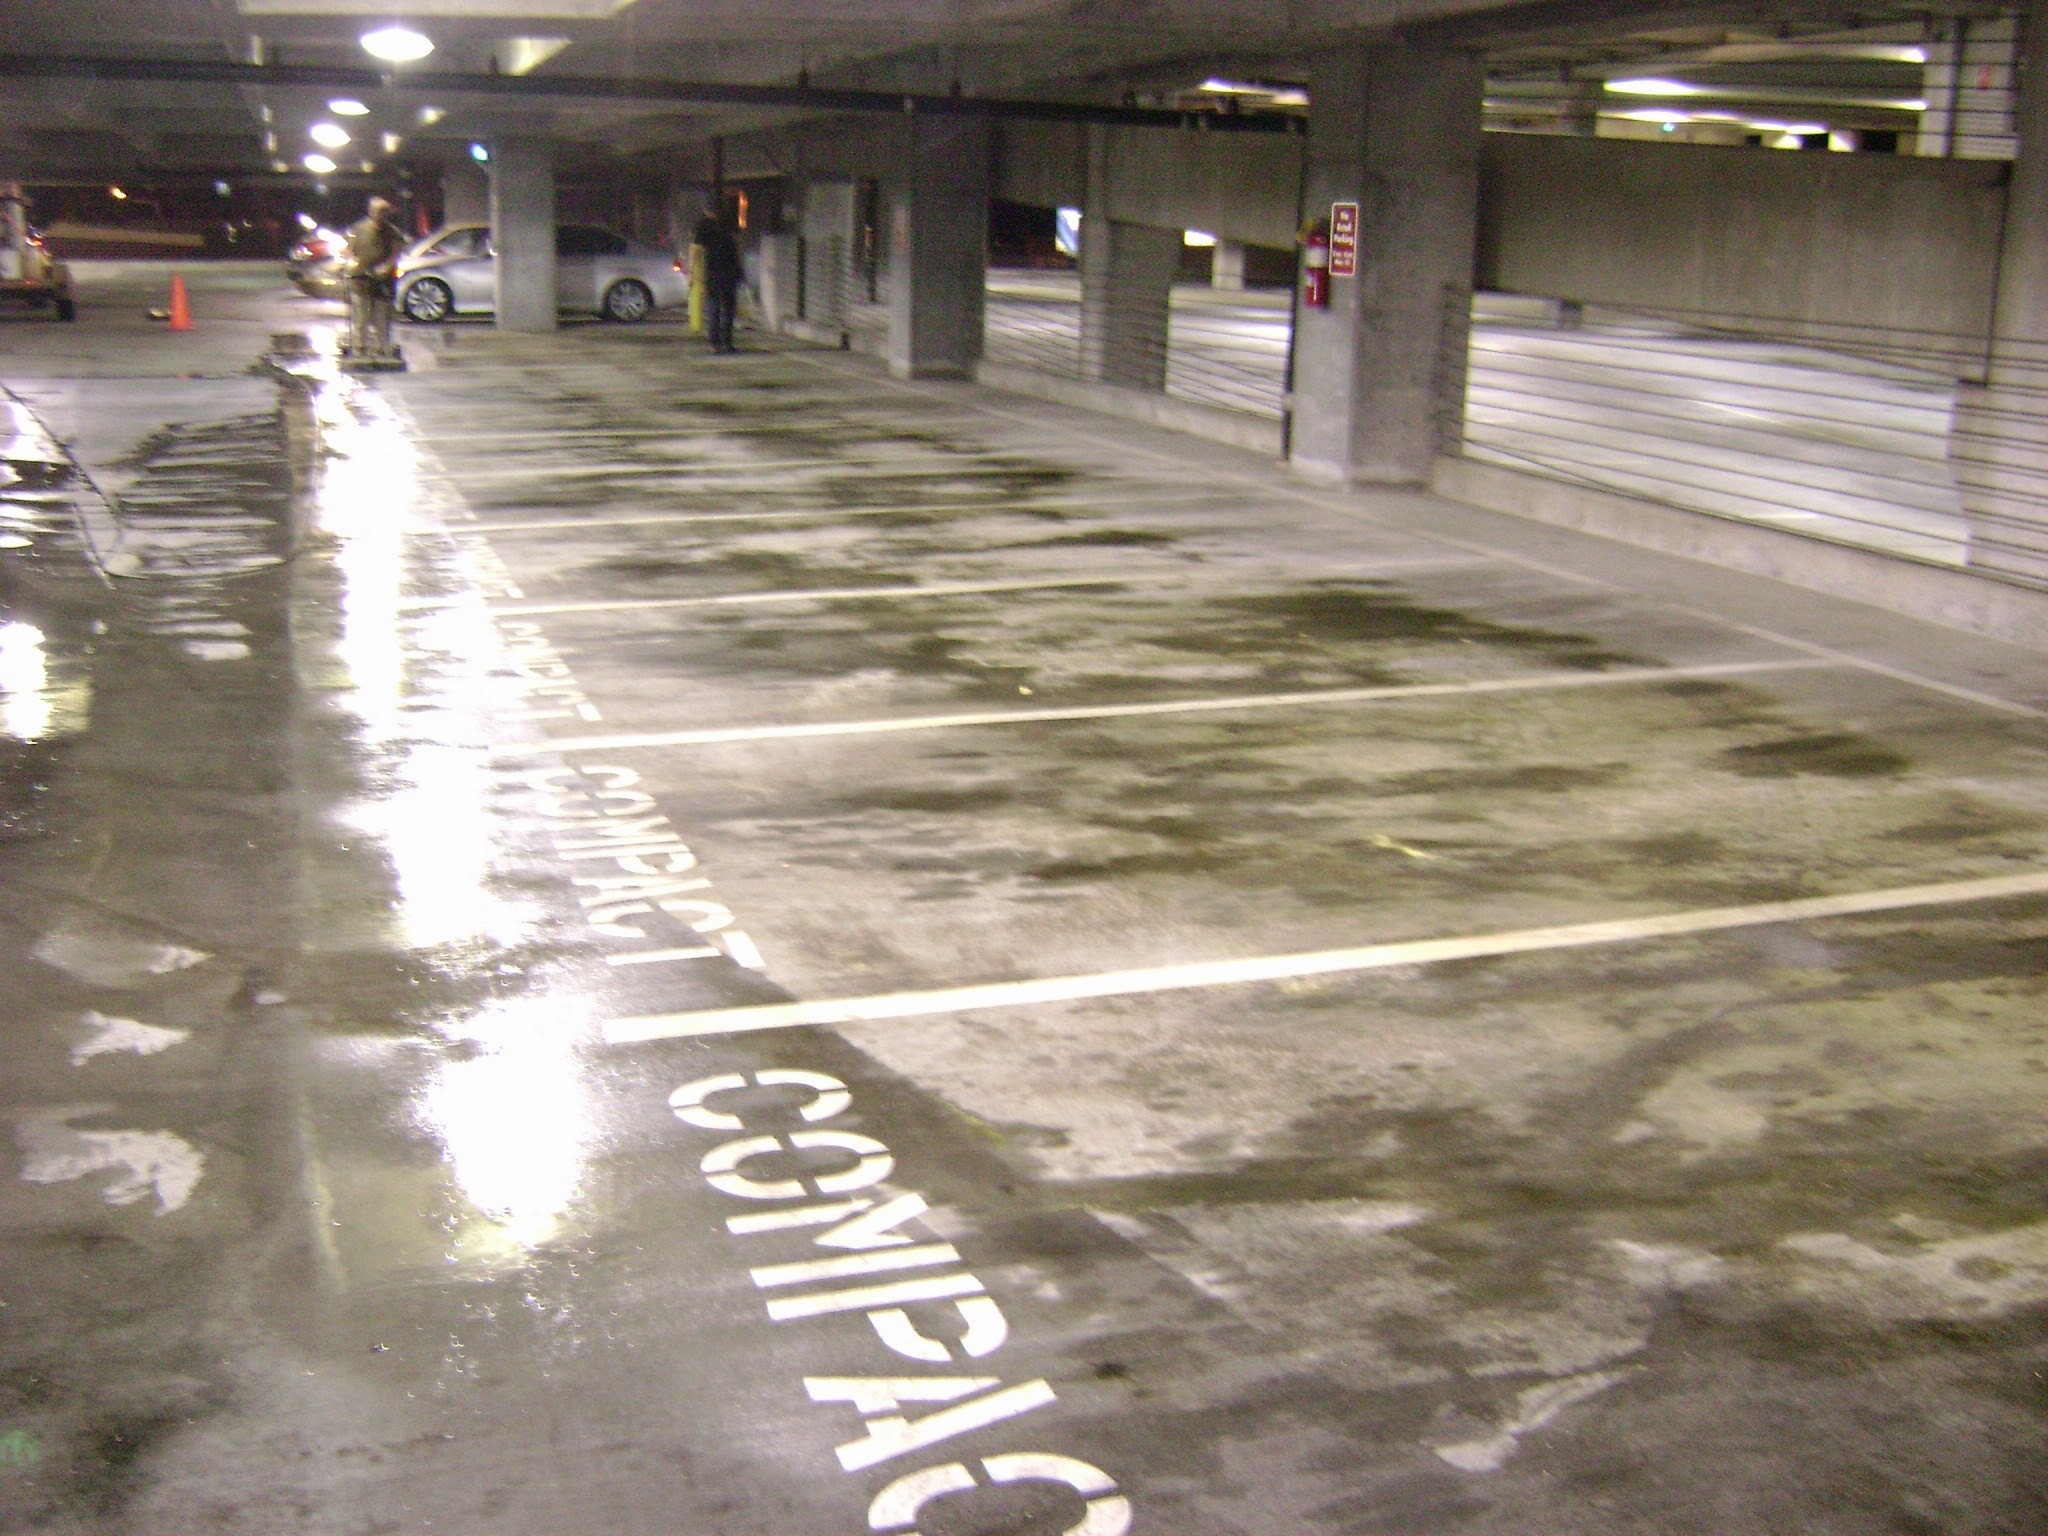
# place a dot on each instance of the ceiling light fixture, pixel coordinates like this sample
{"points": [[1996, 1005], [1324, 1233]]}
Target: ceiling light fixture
{"points": [[319, 165], [117, 194], [431, 115], [1278, 95], [397, 45], [347, 106], [523, 55], [1653, 88], [328, 135]]}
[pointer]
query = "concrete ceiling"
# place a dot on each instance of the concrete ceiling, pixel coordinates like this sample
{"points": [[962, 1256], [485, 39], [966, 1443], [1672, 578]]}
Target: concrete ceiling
{"points": [[1074, 50]]}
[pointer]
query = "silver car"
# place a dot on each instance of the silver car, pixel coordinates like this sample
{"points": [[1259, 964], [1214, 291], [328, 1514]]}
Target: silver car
{"points": [[454, 272]]}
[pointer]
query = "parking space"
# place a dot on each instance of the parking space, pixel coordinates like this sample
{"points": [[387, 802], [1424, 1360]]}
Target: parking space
{"points": [[841, 955]]}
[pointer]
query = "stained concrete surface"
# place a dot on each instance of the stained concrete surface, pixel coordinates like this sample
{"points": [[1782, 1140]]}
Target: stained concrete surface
{"points": [[327, 1208]]}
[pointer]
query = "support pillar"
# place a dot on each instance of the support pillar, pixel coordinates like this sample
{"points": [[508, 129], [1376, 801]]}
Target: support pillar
{"points": [[1226, 268], [938, 250], [1999, 444], [1379, 376], [780, 288], [1126, 285], [1579, 114], [523, 229], [465, 193]]}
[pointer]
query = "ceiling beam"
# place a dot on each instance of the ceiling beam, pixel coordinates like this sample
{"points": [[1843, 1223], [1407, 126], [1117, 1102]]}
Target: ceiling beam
{"points": [[554, 88]]}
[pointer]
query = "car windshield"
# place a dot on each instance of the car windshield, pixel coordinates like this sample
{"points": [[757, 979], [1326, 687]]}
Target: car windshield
{"points": [[468, 241]]}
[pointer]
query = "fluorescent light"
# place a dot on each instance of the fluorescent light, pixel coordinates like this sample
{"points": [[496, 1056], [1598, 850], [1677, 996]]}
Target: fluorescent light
{"points": [[523, 55], [319, 165], [347, 106], [1197, 237], [1279, 95], [478, 153], [431, 115], [328, 135], [451, 10], [399, 45], [1652, 87]]}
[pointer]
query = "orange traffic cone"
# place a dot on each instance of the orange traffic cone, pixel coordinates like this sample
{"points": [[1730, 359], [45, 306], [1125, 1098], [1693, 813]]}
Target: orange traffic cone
{"points": [[181, 307]]}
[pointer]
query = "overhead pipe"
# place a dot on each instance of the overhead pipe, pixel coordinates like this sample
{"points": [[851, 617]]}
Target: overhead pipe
{"points": [[643, 89]]}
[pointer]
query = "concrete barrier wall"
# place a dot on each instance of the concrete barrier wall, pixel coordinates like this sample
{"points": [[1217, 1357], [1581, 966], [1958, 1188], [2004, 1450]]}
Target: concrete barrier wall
{"points": [[1896, 241], [1891, 241], [1237, 186]]}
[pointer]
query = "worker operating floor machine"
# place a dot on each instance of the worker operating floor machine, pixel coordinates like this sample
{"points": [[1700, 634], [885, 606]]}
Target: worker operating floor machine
{"points": [[371, 255]]}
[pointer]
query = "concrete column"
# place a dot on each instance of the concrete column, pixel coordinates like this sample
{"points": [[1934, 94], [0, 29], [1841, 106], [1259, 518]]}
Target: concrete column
{"points": [[780, 280], [2020, 326], [465, 193], [1226, 268], [1396, 130], [1580, 113], [1126, 285], [938, 250], [523, 228], [2000, 441]]}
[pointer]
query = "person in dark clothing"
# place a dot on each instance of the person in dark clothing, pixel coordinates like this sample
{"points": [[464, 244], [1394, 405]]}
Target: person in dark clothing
{"points": [[719, 250]]}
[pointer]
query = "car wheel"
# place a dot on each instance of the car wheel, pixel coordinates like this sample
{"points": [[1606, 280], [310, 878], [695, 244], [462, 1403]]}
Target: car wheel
{"points": [[628, 301], [428, 301]]}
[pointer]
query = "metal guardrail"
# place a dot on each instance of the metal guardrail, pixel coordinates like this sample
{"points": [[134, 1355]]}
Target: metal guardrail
{"points": [[1928, 446], [1923, 445], [1226, 352]]}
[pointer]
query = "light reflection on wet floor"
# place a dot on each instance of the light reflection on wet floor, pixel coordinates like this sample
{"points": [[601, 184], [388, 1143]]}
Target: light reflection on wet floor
{"points": [[1557, 1242]]}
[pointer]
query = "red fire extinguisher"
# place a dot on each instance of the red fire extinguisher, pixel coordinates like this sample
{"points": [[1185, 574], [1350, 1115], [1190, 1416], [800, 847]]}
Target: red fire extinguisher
{"points": [[1315, 266]]}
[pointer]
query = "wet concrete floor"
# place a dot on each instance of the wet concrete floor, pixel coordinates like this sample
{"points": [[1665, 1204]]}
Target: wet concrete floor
{"points": [[602, 940]]}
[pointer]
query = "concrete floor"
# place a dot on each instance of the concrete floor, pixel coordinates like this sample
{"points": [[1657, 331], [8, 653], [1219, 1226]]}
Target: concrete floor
{"points": [[602, 940]]}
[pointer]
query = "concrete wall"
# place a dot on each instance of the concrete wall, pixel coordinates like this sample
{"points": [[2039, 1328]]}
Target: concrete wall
{"points": [[1237, 186], [1907, 243], [1890, 240]]}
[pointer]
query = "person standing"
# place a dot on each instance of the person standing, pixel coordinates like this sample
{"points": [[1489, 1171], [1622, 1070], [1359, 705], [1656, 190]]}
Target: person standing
{"points": [[718, 249], [374, 244]]}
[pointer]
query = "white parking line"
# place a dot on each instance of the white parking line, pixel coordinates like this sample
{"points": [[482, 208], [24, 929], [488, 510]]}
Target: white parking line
{"points": [[659, 519], [1349, 504], [883, 469], [1373, 957], [814, 595], [1110, 503], [1308, 697]]}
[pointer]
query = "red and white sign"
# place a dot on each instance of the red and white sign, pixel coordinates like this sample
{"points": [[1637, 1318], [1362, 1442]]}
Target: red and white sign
{"points": [[1343, 239]]}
